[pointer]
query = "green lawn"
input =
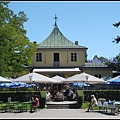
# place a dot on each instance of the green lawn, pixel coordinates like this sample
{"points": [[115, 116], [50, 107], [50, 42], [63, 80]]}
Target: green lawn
{"points": [[85, 106]]}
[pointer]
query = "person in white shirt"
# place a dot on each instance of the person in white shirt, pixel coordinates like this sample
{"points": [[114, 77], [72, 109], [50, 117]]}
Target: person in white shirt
{"points": [[93, 102], [48, 96]]}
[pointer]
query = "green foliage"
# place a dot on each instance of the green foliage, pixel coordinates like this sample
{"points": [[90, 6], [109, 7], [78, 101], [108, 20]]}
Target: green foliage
{"points": [[15, 48], [43, 94], [80, 98], [5, 89], [103, 58], [115, 63], [85, 105], [42, 99], [117, 39], [30, 89]]}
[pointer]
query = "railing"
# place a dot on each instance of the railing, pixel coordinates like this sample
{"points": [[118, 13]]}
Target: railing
{"points": [[56, 63]]}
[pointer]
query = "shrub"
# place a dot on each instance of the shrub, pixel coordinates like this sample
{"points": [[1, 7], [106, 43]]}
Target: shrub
{"points": [[80, 98]]}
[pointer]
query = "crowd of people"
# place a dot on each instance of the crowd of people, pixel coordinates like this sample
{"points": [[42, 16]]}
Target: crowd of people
{"points": [[56, 95], [61, 94]]}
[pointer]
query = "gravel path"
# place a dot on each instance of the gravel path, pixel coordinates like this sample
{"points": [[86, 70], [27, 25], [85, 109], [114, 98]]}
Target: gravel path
{"points": [[58, 113]]}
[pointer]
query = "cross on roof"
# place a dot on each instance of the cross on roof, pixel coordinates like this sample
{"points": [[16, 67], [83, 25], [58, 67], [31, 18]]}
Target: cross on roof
{"points": [[55, 20]]}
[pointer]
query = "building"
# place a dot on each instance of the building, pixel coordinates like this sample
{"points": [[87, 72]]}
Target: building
{"points": [[97, 68], [57, 55]]}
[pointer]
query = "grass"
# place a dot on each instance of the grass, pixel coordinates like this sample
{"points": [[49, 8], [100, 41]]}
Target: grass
{"points": [[85, 106], [4, 104], [24, 108]]}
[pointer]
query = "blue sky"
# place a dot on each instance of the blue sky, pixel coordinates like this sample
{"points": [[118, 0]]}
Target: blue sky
{"points": [[91, 23]]}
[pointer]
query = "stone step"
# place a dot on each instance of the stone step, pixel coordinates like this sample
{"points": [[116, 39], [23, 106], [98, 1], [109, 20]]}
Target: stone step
{"points": [[61, 105], [57, 106]]}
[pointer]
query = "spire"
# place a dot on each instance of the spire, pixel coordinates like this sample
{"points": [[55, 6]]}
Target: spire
{"points": [[55, 20]]}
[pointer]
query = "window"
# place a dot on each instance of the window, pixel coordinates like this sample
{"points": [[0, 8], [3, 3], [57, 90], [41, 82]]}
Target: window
{"points": [[38, 57], [99, 76], [96, 75], [73, 56]]}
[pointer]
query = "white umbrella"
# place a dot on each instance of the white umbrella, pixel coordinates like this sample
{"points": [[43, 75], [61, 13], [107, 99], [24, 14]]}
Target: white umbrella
{"points": [[58, 78], [35, 77], [2, 79], [83, 77]]}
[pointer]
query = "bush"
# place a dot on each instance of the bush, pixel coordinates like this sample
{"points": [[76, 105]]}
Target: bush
{"points": [[80, 98], [42, 99]]}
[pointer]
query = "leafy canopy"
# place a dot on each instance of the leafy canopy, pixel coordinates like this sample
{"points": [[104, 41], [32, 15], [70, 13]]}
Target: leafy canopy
{"points": [[117, 39], [16, 50]]}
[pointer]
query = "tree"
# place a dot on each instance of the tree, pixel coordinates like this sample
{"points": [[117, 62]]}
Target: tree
{"points": [[103, 59], [117, 64], [16, 50], [114, 63], [117, 39]]}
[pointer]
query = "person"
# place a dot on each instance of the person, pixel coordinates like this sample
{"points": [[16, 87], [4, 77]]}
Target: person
{"points": [[70, 95], [60, 95], [74, 94], [93, 102], [34, 103], [48, 96]]}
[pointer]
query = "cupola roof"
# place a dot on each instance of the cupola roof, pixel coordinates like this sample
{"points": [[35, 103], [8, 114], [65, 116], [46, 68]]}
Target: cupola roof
{"points": [[57, 40]]}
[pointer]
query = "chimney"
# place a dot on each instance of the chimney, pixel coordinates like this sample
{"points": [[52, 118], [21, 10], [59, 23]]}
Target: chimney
{"points": [[76, 42]]}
